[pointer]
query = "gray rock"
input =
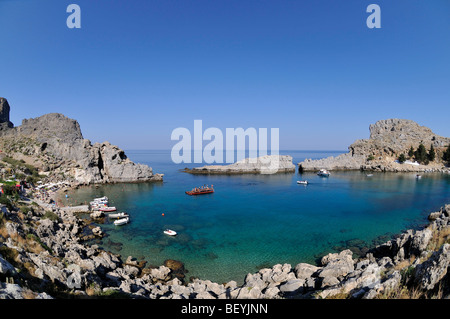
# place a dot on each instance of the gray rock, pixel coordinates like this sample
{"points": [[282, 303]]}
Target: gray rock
{"points": [[337, 265], [420, 241], [429, 273], [292, 286], [6, 269], [304, 271]]}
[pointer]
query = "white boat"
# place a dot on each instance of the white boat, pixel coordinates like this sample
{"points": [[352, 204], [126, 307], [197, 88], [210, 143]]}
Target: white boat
{"points": [[118, 215], [170, 232], [99, 199], [122, 221], [418, 176], [323, 172], [302, 182], [369, 175], [107, 209]]}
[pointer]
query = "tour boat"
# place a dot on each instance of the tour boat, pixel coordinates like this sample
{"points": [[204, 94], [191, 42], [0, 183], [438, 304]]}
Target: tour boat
{"points": [[170, 232], [107, 209], [201, 190], [123, 214], [122, 221], [302, 182], [323, 172]]}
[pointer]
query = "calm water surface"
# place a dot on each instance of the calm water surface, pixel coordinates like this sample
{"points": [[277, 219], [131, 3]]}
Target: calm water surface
{"points": [[256, 221]]}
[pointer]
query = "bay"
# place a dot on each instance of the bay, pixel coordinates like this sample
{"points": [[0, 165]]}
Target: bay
{"points": [[256, 221]]}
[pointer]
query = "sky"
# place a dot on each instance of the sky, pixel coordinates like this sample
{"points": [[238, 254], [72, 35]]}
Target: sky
{"points": [[138, 69]]}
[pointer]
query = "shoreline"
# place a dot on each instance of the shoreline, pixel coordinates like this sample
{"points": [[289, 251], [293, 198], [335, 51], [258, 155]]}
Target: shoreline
{"points": [[280, 281]]}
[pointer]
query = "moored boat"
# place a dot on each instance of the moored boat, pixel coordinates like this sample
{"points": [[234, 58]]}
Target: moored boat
{"points": [[170, 232], [122, 221], [302, 182], [118, 215], [323, 173], [201, 190], [107, 209]]}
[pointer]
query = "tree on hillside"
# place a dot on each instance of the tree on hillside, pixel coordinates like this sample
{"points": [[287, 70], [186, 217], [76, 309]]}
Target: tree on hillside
{"points": [[421, 154], [446, 156], [411, 152], [402, 158], [431, 153]]}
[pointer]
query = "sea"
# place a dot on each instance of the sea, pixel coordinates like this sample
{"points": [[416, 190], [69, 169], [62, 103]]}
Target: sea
{"points": [[255, 221]]}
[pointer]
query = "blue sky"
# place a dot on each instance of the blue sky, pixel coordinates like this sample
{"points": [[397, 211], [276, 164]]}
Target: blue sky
{"points": [[137, 69]]}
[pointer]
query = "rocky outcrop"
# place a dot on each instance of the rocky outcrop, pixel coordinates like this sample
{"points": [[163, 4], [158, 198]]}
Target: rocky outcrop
{"points": [[5, 123], [388, 139], [56, 144], [269, 164]]}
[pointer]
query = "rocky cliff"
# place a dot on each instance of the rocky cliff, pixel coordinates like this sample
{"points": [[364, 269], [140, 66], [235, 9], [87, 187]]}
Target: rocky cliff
{"points": [[388, 139], [55, 144]]}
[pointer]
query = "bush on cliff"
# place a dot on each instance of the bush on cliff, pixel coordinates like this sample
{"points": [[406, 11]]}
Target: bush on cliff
{"points": [[402, 158]]}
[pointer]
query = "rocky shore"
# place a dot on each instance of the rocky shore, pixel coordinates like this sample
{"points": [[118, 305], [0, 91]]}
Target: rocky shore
{"points": [[388, 140], [269, 164], [43, 254]]}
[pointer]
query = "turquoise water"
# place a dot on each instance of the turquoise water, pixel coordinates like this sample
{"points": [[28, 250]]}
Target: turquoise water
{"points": [[256, 221]]}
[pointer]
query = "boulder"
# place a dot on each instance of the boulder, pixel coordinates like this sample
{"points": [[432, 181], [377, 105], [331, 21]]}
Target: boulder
{"points": [[428, 274], [304, 271], [337, 265], [6, 269], [293, 286]]}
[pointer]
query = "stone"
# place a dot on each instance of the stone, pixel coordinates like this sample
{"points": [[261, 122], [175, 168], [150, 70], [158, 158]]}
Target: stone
{"points": [[292, 286], [420, 241], [430, 272], [304, 271], [161, 273], [97, 231], [6, 269], [337, 265]]}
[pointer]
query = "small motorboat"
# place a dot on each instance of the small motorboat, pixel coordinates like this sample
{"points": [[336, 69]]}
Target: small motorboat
{"points": [[418, 176], [323, 173], [201, 190], [302, 182], [122, 221], [369, 175], [170, 232], [100, 199], [107, 209], [119, 215]]}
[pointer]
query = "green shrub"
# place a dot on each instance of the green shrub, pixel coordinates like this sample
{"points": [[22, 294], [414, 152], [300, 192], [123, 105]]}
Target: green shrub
{"points": [[50, 215]]}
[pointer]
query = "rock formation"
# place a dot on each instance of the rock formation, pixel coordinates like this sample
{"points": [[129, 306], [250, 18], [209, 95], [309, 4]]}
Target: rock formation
{"points": [[55, 143], [388, 139], [269, 164], [4, 115]]}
